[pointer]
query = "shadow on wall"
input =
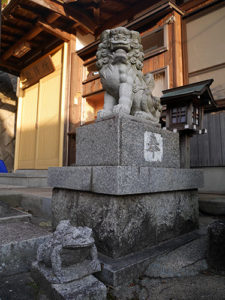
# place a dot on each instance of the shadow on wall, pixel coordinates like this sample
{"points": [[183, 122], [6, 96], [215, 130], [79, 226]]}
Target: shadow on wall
{"points": [[8, 108]]}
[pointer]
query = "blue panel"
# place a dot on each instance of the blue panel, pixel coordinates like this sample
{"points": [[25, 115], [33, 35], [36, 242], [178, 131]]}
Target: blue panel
{"points": [[3, 168]]}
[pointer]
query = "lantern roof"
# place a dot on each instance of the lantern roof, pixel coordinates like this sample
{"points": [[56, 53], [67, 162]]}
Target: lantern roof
{"points": [[200, 92]]}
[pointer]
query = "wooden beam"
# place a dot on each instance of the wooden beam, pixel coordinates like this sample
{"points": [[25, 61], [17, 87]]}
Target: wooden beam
{"points": [[30, 9], [9, 28], [126, 14], [22, 9], [29, 36], [73, 14], [54, 31], [10, 34], [4, 45], [21, 20], [7, 37], [8, 66], [69, 1], [81, 17]]}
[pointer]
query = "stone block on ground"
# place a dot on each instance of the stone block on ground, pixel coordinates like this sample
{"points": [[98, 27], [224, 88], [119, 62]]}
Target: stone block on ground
{"points": [[18, 247], [86, 288]]}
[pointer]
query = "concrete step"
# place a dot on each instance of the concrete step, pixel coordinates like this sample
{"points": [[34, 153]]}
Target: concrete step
{"points": [[26, 178], [19, 241], [212, 204], [18, 216], [36, 201]]}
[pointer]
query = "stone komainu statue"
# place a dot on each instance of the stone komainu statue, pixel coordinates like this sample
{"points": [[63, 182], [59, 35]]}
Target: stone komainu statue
{"points": [[127, 90]]}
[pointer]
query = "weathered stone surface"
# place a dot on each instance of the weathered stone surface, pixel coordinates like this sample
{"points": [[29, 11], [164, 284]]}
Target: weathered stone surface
{"points": [[17, 256], [125, 270], [18, 286], [87, 288], [124, 180], [126, 141], [187, 260], [78, 178], [216, 246], [207, 287], [68, 255], [124, 224]]}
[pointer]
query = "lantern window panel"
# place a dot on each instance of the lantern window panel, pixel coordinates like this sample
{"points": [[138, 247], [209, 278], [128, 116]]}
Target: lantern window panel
{"points": [[195, 116], [179, 115]]}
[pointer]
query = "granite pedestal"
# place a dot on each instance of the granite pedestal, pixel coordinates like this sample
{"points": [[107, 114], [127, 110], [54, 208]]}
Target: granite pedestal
{"points": [[127, 186]]}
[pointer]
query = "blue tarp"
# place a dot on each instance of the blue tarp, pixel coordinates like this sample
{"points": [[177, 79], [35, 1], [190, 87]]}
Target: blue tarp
{"points": [[3, 168]]}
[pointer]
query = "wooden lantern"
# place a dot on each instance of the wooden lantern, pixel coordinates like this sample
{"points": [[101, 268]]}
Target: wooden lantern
{"points": [[185, 113], [185, 106]]}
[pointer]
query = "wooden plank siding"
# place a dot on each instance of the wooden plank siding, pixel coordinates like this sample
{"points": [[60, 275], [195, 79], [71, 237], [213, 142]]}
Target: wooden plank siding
{"points": [[208, 150]]}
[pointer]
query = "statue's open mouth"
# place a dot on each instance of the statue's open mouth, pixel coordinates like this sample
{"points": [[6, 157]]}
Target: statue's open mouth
{"points": [[121, 45]]}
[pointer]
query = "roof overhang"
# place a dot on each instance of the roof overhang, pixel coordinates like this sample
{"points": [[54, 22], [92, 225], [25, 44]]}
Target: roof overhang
{"points": [[200, 91], [44, 24]]}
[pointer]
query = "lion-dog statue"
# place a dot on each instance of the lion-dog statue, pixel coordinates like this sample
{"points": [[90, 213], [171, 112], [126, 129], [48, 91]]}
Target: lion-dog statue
{"points": [[120, 60]]}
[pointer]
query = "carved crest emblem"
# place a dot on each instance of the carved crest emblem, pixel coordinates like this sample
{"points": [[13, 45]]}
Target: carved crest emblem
{"points": [[153, 146]]}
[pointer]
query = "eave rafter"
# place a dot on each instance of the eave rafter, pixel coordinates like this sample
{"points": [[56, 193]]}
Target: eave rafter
{"points": [[76, 15], [24, 9], [54, 31], [10, 28], [29, 36]]}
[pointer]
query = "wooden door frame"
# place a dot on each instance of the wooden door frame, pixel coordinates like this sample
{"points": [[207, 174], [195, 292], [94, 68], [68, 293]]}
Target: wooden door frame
{"points": [[63, 105]]}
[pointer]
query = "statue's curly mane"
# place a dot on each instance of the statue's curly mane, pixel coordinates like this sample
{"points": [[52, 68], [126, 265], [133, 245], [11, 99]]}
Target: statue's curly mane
{"points": [[120, 61]]}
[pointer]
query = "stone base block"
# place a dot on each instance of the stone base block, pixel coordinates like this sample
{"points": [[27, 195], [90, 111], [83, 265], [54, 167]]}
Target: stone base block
{"points": [[124, 180], [123, 140], [187, 249], [71, 273], [87, 288], [129, 223]]}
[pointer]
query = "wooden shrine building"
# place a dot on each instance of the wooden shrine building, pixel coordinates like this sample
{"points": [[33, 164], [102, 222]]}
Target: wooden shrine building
{"points": [[51, 46]]}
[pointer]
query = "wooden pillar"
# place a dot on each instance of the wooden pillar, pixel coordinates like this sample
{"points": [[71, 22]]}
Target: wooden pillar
{"points": [[185, 150]]}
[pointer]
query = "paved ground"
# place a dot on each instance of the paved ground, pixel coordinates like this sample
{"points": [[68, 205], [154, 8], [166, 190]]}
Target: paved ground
{"points": [[206, 286], [18, 287]]}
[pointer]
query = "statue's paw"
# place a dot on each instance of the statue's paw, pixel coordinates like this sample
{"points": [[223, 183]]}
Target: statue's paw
{"points": [[102, 114], [120, 108]]}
